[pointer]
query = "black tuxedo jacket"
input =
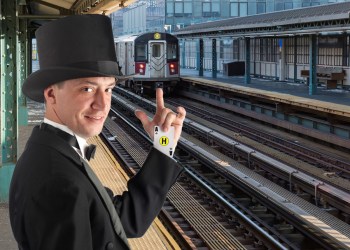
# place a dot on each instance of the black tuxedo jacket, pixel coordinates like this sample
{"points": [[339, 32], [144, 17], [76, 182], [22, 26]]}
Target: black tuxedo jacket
{"points": [[54, 204]]}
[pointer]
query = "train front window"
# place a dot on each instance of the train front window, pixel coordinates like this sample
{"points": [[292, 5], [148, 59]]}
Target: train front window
{"points": [[141, 52], [156, 50], [172, 51]]}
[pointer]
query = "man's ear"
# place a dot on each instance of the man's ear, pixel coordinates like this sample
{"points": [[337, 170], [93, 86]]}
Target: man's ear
{"points": [[50, 94]]}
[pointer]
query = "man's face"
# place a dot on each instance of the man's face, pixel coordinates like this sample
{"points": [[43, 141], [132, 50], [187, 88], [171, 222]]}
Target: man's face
{"points": [[81, 104]]}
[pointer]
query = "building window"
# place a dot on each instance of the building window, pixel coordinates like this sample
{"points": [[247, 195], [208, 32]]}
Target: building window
{"points": [[283, 6], [34, 52], [330, 50], [215, 9], [238, 8], [179, 9], [301, 46], [266, 49], [307, 3], [188, 8], [260, 7], [169, 9], [226, 49], [206, 10], [243, 9], [234, 9], [288, 6], [211, 9]]}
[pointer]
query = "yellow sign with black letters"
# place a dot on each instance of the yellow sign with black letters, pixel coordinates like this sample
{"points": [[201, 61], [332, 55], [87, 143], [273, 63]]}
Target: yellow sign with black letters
{"points": [[163, 140], [157, 36]]}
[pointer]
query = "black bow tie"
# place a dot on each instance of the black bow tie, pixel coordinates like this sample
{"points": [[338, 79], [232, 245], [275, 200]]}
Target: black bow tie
{"points": [[90, 151], [72, 140]]}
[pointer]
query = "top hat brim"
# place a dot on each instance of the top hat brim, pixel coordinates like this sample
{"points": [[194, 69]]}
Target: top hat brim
{"points": [[37, 82]]}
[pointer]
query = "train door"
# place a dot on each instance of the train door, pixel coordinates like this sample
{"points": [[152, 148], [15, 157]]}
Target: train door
{"points": [[157, 59]]}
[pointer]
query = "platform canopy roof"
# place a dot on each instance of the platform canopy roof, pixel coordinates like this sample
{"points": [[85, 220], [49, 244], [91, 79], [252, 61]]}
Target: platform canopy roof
{"points": [[51, 9], [38, 12], [331, 18]]}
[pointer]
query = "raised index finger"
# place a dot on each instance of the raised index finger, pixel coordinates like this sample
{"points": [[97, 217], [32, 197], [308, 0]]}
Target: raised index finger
{"points": [[159, 99]]}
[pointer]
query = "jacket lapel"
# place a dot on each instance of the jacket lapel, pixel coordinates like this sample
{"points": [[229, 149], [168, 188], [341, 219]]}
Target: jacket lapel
{"points": [[107, 201], [51, 140]]}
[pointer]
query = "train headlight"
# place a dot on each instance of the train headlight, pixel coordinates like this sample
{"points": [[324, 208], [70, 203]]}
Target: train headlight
{"points": [[140, 68], [173, 68]]}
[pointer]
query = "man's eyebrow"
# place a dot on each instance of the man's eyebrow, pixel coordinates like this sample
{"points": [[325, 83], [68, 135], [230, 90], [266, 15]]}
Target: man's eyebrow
{"points": [[96, 84]]}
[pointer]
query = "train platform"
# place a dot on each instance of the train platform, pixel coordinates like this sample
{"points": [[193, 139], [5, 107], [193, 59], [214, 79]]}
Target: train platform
{"points": [[109, 172], [268, 86], [7, 241]]}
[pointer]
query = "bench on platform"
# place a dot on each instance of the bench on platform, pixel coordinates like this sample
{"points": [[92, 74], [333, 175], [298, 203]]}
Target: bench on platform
{"points": [[331, 74]]}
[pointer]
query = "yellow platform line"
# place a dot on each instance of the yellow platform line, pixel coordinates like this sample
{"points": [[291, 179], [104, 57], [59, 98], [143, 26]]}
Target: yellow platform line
{"points": [[113, 176]]}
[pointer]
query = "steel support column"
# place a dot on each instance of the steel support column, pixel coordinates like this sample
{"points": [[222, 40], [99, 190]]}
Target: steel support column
{"points": [[200, 56], [183, 53], [22, 67], [313, 63], [9, 130], [295, 76], [214, 60], [282, 48], [247, 61]]}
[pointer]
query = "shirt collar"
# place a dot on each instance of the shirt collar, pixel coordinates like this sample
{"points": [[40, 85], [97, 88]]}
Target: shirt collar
{"points": [[81, 141]]}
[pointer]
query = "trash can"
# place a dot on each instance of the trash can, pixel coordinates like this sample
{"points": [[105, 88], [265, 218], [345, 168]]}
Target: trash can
{"points": [[234, 68]]}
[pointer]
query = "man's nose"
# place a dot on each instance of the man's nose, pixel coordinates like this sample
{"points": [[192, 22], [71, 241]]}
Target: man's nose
{"points": [[101, 100]]}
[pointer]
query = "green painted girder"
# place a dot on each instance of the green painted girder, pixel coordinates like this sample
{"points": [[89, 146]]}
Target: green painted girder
{"points": [[247, 78], [22, 69], [313, 63], [214, 59], [200, 56], [8, 123]]}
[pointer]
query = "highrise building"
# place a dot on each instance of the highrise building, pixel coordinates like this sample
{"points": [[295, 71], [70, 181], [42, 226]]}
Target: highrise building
{"points": [[171, 15]]}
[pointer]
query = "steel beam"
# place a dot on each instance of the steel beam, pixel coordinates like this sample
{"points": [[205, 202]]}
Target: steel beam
{"points": [[200, 55], [183, 53], [22, 63], [295, 65], [247, 79], [312, 63], [214, 59], [9, 129]]}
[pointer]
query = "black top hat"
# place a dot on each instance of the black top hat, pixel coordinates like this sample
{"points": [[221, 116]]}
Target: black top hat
{"points": [[72, 47]]}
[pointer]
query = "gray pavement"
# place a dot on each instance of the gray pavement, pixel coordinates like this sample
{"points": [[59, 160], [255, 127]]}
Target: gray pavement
{"points": [[7, 241], [35, 116]]}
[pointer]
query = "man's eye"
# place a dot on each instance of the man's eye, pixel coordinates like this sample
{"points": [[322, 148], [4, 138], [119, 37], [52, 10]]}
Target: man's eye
{"points": [[109, 90], [88, 89]]}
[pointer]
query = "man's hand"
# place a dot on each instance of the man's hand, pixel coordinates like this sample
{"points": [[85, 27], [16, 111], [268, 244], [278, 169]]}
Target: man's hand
{"points": [[164, 118]]}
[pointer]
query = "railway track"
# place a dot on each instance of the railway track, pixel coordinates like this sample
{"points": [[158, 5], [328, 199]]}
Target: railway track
{"points": [[327, 162], [262, 213], [171, 215], [316, 190]]}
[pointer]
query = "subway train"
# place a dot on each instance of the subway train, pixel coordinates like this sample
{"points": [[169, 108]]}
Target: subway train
{"points": [[152, 60]]}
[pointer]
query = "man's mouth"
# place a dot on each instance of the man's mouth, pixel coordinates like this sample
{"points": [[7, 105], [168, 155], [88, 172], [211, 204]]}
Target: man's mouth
{"points": [[94, 117]]}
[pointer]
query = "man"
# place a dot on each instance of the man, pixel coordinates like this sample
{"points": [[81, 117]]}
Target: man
{"points": [[56, 201]]}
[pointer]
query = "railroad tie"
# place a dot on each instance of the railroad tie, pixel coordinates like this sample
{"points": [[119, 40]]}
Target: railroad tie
{"points": [[215, 235]]}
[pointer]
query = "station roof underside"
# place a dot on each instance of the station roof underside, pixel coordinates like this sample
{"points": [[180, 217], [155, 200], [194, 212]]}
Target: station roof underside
{"points": [[52, 9], [331, 19], [38, 12]]}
